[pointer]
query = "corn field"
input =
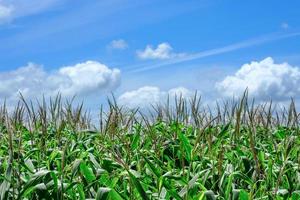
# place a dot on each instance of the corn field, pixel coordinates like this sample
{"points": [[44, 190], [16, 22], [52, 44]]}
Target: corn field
{"points": [[183, 150]]}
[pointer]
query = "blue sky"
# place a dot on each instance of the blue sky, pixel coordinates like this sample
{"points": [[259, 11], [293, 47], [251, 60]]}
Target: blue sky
{"points": [[146, 49]]}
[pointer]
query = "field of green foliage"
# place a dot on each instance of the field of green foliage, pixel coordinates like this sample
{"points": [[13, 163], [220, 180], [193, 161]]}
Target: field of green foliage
{"points": [[180, 150]]}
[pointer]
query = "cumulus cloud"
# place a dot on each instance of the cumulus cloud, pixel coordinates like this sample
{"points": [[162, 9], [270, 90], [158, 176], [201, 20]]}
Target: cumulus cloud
{"points": [[149, 95], [118, 44], [162, 51], [81, 79], [264, 80]]}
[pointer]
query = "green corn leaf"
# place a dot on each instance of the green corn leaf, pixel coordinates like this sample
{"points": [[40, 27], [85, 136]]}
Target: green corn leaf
{"points": [[186, 145], [138, 186], [4, 188], [75, 166], [36, 179], [296, 195], [229, 186], [135, 141], [94, 161], [103, 193], [87, 172], [114, 195], [81, 192], [243, 195], [210, 195], [153, 168]]}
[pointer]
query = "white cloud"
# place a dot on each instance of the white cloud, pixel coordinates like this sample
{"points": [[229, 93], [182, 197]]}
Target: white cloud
{"points": [[149, 95], [12, 9], [264, 80], [285, 25], [162, 51], [5, 12], [118, 44], [82, 79]]}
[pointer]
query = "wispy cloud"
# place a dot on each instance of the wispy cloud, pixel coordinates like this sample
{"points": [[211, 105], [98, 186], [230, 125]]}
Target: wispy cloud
{"points": [[217, 51], [12, 9]]}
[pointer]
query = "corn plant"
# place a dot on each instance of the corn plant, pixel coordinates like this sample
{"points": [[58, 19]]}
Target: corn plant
{"points": [[181, 150]]}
